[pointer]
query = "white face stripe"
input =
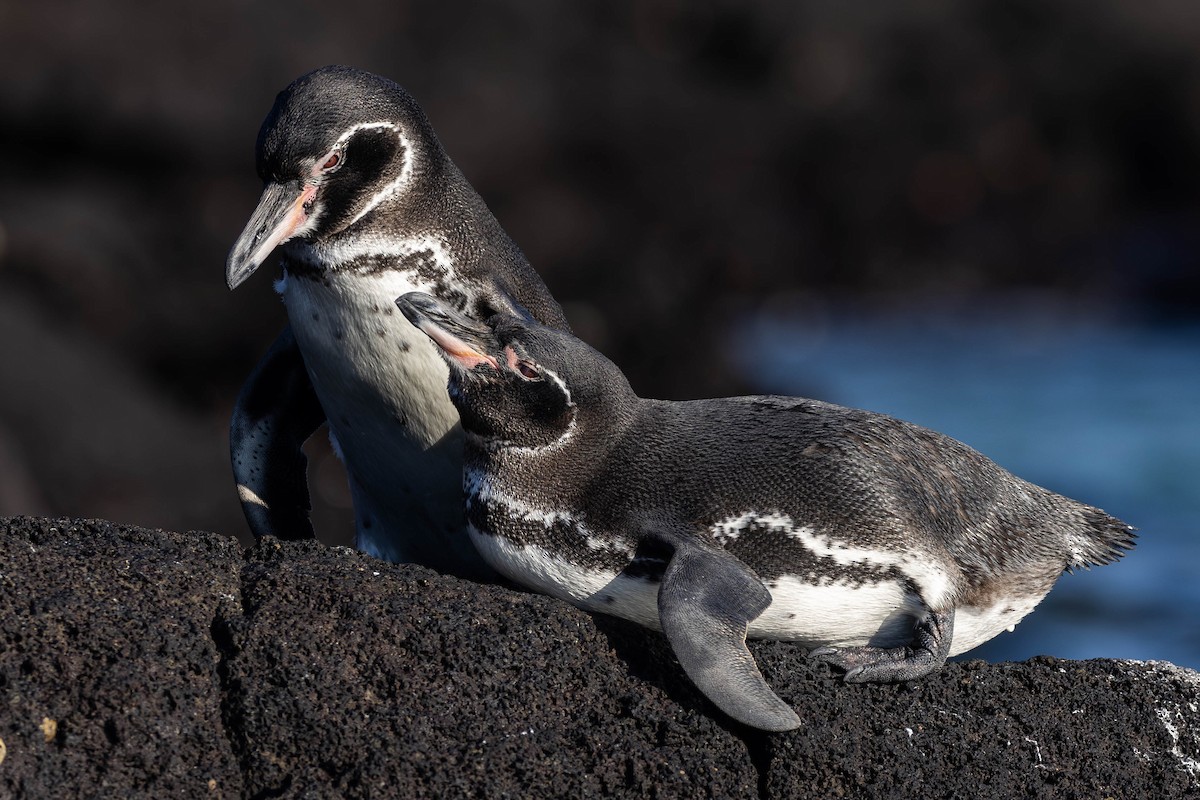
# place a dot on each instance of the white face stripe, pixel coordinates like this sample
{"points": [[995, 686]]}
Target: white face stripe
{"points": [[406, 169], [492, 444], [569, 432], [317, 210], [362, 126]]}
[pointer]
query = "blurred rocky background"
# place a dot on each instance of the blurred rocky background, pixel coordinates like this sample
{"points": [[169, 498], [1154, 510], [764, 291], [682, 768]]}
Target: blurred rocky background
{"points": [[672, 169]]}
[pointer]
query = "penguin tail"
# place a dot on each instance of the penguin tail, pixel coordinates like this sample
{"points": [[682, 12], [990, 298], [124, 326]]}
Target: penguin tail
{"points": [[1103, 540]]}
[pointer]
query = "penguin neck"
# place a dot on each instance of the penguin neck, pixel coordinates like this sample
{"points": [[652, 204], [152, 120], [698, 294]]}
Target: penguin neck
{"points": [[365, 252], [481, 245], [595, 434], [389, 238]]}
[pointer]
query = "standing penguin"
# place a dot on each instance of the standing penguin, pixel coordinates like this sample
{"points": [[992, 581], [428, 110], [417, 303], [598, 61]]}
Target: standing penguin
{"points": [[886, 546], [365, 205]]}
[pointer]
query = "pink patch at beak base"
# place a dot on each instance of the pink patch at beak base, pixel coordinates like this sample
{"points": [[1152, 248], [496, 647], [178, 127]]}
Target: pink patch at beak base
{"points": [[288, 226], [456, 348]]}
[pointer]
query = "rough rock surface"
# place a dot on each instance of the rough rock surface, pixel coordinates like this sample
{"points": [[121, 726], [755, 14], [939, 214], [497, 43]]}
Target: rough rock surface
{"points": [[147, 663]]}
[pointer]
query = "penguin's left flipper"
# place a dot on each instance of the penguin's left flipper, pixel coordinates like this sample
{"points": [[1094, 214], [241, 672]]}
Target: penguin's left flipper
{"points": [[276, 411], [924, 656], [705, 602]]}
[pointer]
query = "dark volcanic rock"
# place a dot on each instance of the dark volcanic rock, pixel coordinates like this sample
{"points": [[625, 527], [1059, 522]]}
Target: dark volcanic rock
{"points": [[108, 671], [1043, 728], [350, 675], [171, 665]]}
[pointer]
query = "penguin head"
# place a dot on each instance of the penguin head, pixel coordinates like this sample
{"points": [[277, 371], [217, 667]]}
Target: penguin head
{"points": [[517, 383], [339, 146]]}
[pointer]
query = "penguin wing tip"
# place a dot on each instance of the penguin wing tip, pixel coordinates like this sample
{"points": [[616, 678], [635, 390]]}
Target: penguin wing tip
{"points": [[775, 719]]}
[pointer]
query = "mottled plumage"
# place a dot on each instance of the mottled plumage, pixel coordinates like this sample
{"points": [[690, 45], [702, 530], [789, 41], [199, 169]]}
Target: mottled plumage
{"points": [[365, 205], [886, 545]]}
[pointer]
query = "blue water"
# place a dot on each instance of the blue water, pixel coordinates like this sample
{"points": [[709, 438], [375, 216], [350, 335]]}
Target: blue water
{"points": [[1104, 411]]}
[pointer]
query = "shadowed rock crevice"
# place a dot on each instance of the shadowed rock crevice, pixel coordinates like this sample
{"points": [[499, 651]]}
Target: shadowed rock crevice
{"points": [[220, 630], [165, 664], [760, 755]]}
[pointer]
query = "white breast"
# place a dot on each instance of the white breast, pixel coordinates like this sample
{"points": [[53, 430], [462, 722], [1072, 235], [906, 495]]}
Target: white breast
{"points": [[361, 351], [838, 613], [973, 626], [383, 387], [599, 590]]}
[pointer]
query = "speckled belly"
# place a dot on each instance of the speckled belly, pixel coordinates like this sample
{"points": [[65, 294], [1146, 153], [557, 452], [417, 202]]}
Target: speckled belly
{"points": [[383, 387]]}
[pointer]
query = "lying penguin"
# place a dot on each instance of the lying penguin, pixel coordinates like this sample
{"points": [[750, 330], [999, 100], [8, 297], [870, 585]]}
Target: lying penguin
{"points": [[886, 546]]}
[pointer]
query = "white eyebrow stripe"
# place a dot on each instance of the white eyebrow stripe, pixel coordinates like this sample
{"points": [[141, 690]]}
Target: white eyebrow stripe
{"points": [[406, 170]]}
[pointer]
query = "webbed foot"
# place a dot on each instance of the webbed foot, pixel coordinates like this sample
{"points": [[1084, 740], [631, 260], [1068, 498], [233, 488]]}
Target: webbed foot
{"points": [[924, 656]]}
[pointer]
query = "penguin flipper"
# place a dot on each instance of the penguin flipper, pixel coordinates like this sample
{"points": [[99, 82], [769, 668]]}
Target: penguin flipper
{"points": [[927, 653], [276, 411], [705, 602]]}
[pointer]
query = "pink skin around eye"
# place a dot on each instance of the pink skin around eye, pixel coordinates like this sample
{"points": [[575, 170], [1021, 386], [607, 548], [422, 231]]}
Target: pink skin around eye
{"points": [[516, 365], [330, 161]]}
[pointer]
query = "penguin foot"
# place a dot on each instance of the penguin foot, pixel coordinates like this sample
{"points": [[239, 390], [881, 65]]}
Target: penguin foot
{"points": [[926, 654]]}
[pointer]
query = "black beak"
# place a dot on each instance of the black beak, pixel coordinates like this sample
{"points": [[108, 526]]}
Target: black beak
{"points": [[463, 341], [281, 211]]}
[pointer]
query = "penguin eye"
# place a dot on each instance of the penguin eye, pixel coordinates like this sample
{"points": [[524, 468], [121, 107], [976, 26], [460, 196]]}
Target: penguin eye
{"points": [[332, 161], [528, 371]]}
